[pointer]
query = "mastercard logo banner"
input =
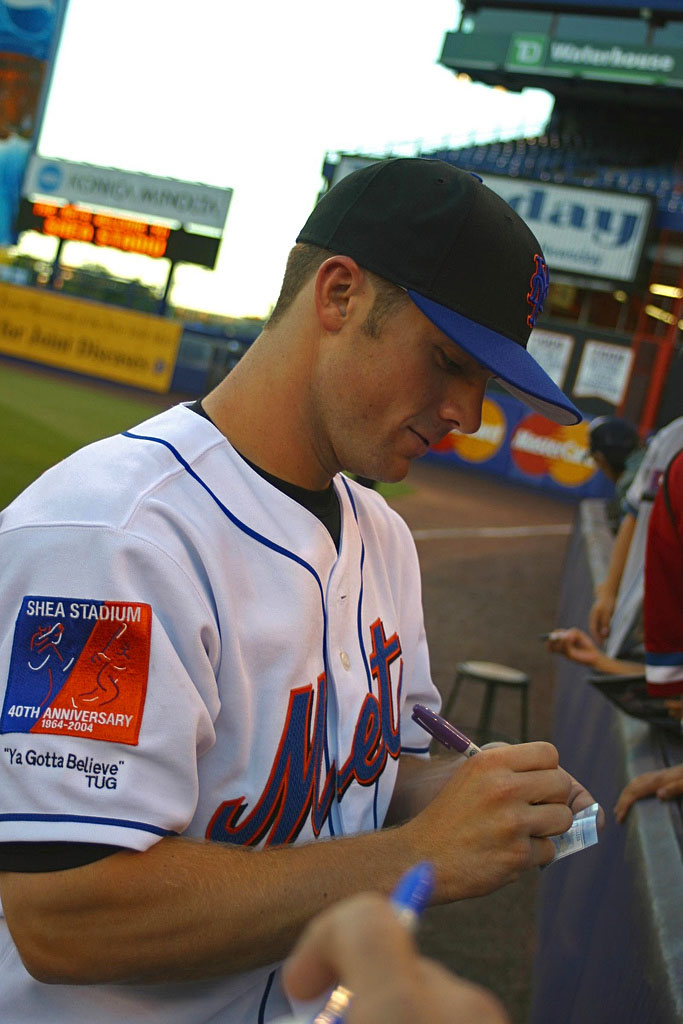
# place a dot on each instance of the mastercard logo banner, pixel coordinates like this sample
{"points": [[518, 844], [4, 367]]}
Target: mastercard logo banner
{"points": [[539, 448], [487, 441]]}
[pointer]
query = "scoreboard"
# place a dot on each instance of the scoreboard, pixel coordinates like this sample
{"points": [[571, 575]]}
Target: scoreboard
{"points": [[76, 224]]}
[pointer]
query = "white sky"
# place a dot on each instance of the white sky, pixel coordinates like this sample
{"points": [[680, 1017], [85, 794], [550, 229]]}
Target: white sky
{"points": [[251, 96]]}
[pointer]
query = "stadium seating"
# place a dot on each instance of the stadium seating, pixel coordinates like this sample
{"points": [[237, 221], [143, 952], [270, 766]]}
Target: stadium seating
{"points": [[593, 155]]}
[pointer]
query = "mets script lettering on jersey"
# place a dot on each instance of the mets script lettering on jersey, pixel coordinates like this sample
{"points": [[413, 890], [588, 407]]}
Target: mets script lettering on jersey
{"points": [[293, 790]]}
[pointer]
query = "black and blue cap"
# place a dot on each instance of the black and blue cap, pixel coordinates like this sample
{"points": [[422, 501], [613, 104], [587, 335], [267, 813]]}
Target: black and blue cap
{"points": [[466, 259]]}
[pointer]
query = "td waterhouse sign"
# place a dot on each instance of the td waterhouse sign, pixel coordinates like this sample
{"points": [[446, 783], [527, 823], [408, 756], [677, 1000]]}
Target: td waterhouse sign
{"points": [[533, 52]]}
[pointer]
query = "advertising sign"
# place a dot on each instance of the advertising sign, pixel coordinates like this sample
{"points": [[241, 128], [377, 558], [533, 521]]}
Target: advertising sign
{"points": [[539, 448], [670, 7], [526, 448], [585, 231], [603, 371], [28, 31], [553, 352], [486, 443], [349, 162], [620, 63], [86, 337], [187, 202]]}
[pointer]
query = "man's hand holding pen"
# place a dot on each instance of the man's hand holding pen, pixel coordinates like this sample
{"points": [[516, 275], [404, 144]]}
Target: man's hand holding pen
{"points": [[492, 819]]}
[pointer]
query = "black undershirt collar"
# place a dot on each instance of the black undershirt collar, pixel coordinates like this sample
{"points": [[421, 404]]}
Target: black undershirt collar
{"points": [[324, 505]]}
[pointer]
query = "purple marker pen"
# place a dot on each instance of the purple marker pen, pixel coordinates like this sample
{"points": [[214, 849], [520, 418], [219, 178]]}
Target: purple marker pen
{"points": [[443, 731]]}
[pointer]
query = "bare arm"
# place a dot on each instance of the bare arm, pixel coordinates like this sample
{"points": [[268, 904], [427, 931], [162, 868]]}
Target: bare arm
{"points": [[577, 646], [187, 910], [183, 909], [606, 592]]}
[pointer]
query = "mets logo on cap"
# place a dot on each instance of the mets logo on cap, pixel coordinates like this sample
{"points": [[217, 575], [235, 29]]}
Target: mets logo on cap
{"points": [[538, 289]]}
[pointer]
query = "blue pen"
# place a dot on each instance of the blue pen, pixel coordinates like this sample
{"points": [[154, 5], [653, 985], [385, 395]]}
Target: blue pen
{"points": [[408, 899]]}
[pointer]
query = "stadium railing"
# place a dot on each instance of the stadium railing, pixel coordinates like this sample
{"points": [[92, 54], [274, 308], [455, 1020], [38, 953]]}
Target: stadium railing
{"points": [[610, 918]]}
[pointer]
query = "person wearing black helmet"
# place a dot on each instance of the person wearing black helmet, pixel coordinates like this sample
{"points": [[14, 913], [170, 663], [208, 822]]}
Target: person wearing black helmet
{"points": [[616, 450]]}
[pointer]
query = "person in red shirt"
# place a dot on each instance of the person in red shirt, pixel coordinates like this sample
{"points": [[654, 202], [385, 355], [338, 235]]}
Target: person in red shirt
{"points": [[663, 625], [663, 612], [663, 608]]}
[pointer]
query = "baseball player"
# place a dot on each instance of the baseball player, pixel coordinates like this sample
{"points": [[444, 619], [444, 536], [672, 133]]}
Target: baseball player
{"points": [[208, 756]]}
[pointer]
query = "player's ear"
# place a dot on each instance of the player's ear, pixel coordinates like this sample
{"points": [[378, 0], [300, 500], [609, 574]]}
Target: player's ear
{"points": [[338, 283]]}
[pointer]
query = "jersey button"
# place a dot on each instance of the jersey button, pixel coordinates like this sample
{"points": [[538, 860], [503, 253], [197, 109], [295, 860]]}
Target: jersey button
{"points": [[345, 660]]}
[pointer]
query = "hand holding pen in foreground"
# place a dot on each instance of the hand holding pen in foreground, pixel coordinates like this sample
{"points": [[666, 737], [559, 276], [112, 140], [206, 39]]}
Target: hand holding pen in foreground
{"points": [[362, 943]]}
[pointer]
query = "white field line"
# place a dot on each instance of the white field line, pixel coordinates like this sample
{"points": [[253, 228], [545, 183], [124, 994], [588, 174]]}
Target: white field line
{"points": [[456, 532]]}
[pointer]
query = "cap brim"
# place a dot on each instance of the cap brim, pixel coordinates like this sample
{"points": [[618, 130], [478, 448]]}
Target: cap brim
{"points": [[514, 368]]}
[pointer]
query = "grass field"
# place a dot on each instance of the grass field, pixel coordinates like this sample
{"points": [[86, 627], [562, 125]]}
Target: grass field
{"points": [[44, 417]]}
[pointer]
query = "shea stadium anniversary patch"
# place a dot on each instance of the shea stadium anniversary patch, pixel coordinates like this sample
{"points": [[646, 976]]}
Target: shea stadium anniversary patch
{"points": [[78, 668]]}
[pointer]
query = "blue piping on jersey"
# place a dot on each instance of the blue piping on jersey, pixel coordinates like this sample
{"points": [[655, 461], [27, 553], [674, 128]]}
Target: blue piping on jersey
{"points": [[142, 826], [359, 620], [359, 626], [261, 540], [264, 997]]}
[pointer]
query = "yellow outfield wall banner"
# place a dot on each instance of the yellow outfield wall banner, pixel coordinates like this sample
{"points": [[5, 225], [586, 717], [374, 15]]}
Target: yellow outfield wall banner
{"points": [[88, 337]]}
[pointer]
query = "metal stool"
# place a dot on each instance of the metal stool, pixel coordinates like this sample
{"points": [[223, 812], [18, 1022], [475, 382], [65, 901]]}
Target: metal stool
{"points": [[491, 676]]}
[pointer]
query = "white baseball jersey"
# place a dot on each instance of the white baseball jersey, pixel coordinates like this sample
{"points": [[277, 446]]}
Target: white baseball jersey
{"points": [[639, 499], [184, 651]]}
